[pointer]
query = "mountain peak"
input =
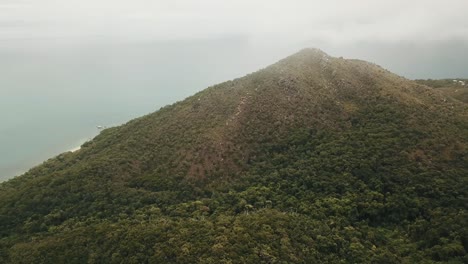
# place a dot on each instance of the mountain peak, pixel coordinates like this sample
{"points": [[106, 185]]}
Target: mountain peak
{"points": [[306, 56], [311, 52]]}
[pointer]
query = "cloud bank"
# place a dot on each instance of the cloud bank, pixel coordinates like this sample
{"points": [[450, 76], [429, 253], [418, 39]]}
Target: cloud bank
{"points": [[332, 21]]}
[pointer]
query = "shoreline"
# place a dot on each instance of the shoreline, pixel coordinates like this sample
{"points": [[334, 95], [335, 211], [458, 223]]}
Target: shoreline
{"points": [[75, 149], [18, 171]]}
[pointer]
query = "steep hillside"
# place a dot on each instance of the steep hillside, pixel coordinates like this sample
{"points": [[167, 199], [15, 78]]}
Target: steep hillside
{"points": [[313, 159]]}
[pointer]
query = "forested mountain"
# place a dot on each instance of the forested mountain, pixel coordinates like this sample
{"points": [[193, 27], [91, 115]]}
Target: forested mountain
{"points": [[314, 159]]}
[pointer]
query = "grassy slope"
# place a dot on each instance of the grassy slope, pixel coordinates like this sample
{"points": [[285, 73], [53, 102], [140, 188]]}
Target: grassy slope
{"points": [[449, 87], [313, 159]]}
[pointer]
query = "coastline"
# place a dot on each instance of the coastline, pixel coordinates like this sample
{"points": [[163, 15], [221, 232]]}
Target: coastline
{"points": [[9, 172], [75, 149]]}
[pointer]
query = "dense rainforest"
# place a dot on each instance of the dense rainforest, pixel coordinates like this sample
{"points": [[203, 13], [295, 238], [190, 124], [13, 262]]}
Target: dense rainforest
{"points": [[314, 159]]}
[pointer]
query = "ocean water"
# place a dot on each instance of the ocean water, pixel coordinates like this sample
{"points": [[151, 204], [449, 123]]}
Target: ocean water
{"points": [[53, 96]]}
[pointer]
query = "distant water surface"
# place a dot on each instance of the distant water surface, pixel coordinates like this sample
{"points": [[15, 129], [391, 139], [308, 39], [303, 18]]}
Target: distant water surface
{"points": [[52, 98]]}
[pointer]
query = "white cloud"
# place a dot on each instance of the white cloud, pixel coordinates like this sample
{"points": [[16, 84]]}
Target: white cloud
{"points": [[334, 21]]}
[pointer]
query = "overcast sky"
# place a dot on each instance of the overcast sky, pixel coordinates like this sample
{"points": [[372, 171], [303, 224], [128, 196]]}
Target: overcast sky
{"points": [[426, 31], [336, 21]]}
